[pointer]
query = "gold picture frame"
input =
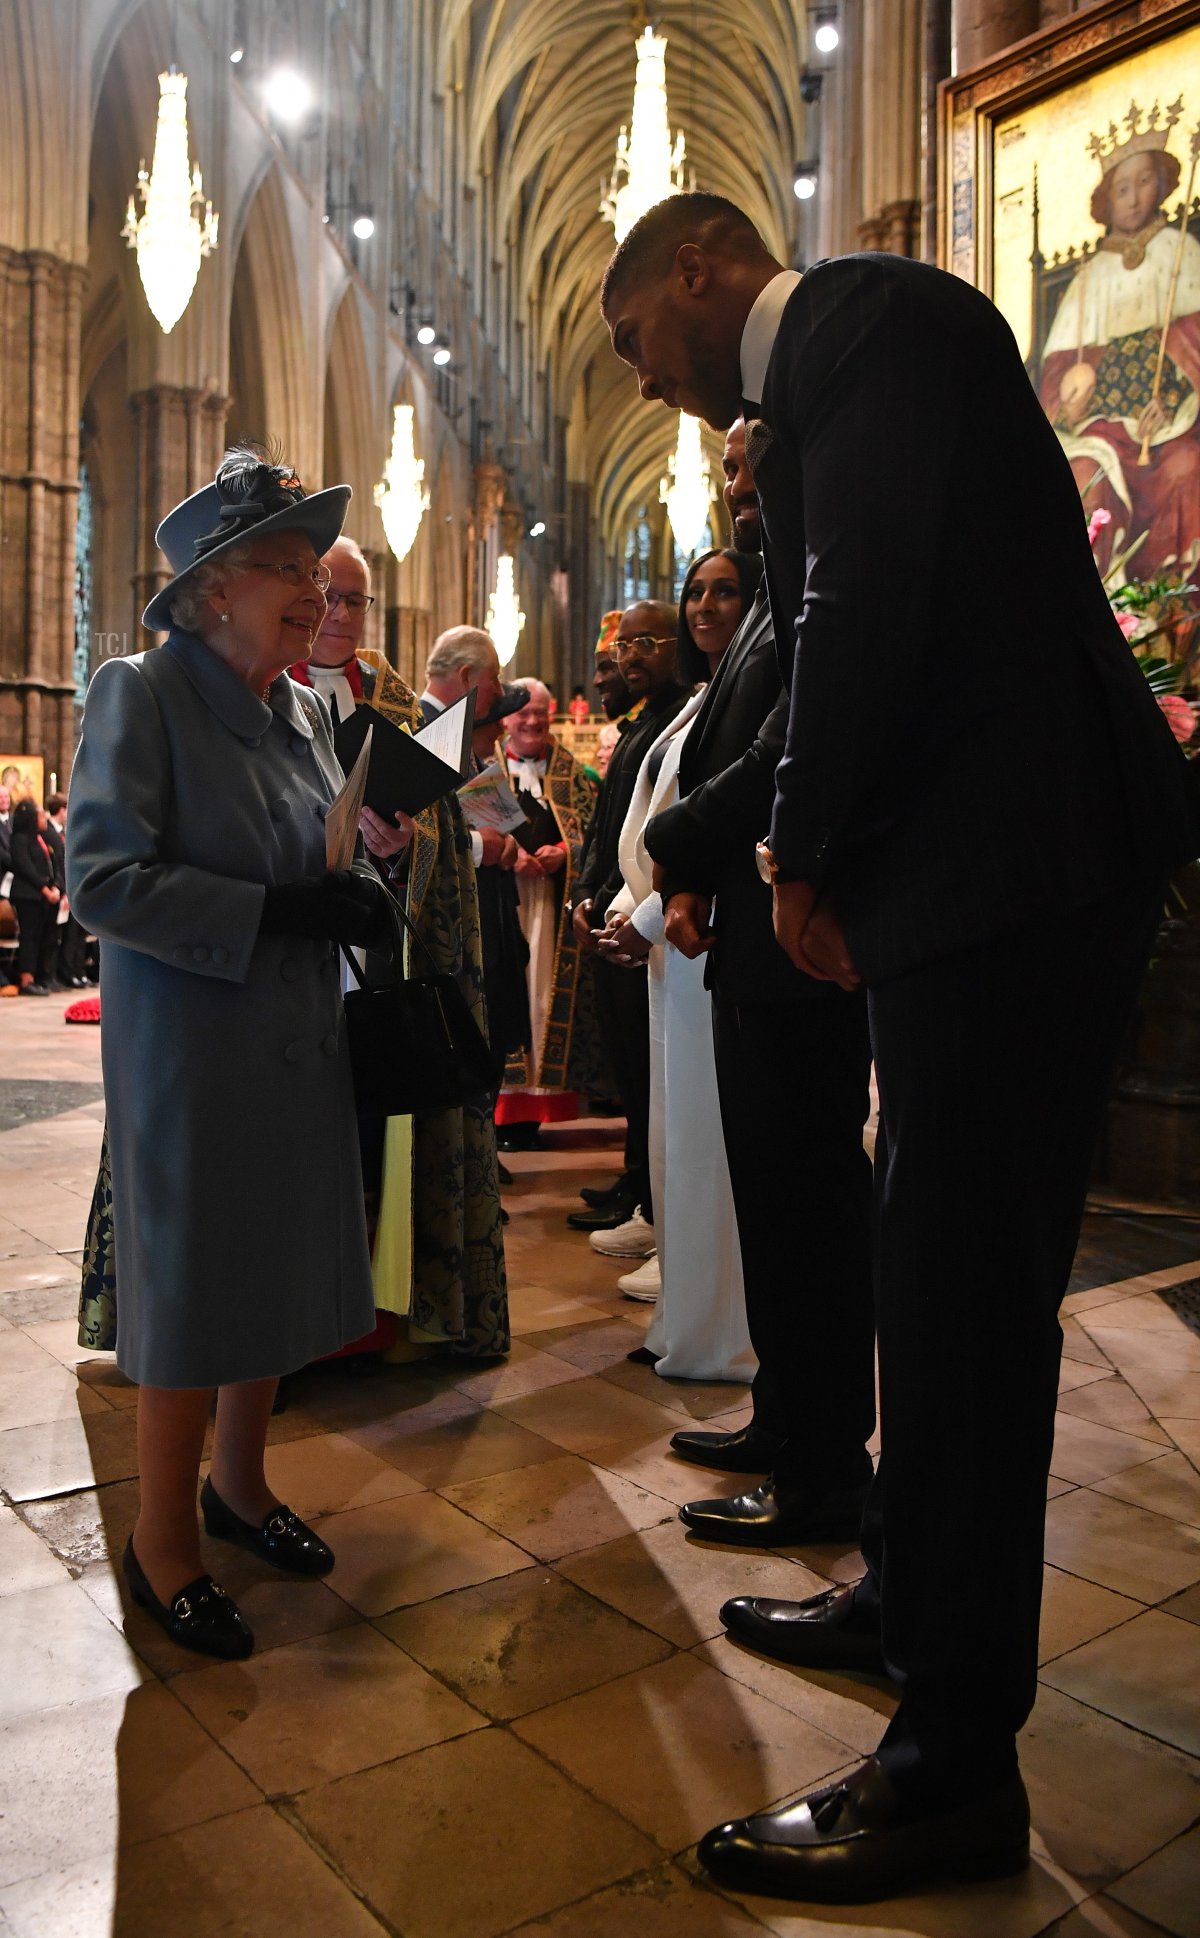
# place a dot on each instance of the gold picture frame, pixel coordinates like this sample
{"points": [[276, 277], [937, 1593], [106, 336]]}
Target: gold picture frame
{"points": [[1069, 170]]}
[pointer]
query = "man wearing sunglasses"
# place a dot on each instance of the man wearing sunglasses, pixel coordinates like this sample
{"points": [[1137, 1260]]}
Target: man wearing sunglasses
{"points": [[645, 647]]}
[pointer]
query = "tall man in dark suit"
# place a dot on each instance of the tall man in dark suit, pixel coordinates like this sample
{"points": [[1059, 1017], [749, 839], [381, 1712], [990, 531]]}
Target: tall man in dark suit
{"points": [[793, 1067], [976, 810], [645, 645]]}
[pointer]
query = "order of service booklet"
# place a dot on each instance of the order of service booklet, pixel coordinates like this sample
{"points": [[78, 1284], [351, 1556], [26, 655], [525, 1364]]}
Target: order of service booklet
{"points": [[408, 771]]}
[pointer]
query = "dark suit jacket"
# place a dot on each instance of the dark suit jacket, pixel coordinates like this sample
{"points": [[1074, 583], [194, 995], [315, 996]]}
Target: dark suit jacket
{"points": [[32, 867], [970, 741], [599, 869], [58, 852], [706, 841]]}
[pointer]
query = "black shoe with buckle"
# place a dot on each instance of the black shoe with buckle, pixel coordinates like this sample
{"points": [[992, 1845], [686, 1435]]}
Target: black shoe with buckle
{"points": [[200, 1617], [283, 1538]]}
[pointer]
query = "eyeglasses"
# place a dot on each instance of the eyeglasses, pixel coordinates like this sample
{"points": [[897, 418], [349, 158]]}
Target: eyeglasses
{"points": [[353, 601], [646, 641], [293, 573]]}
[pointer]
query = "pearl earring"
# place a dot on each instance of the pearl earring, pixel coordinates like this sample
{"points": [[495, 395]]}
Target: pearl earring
{"points": [[224, 618]]}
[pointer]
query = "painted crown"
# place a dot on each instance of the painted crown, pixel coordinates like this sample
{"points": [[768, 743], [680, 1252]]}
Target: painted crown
{"points": [[1110, 151]]}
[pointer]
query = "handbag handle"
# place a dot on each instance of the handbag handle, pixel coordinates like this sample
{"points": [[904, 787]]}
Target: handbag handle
{"points": [[399, 915]]}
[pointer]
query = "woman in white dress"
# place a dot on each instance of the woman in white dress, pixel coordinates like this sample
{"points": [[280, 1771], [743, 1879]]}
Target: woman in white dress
{"points": [[699, 1329]]}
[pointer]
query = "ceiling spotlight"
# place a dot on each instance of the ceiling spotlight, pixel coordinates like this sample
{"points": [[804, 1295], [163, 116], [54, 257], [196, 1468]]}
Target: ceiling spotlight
{"points": [[442, 354], [535, 531], [238, 54], [364, 227], [287, 95], [426, 334], [826, 36], [804, 181]]}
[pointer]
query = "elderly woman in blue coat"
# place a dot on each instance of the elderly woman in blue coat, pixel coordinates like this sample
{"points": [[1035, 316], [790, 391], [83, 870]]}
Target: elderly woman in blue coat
{"points": [[196, 852]]}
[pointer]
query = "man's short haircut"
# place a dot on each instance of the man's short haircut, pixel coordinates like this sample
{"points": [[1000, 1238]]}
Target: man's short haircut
{"points": [[649, 248], [665, 614], [458, 647], [55, 803], [534, 687]]}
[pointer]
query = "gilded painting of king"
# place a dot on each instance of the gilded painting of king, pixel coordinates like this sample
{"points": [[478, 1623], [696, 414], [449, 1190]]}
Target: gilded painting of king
{"points": [[1120, 374]]}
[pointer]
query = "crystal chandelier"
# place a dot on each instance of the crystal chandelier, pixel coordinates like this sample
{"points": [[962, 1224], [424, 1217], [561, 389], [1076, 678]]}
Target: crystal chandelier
{"points": [[177, 227], [647, 168], [401, 497], [687, 490], [505, 618]]}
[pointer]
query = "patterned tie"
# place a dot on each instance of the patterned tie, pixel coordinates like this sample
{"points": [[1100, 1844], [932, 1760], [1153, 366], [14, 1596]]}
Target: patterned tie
{"points": [[759, 439]]}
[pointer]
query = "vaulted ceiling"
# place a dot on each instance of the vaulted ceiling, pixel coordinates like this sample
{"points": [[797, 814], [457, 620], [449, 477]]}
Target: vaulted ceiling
{"points": [[547, 86]]}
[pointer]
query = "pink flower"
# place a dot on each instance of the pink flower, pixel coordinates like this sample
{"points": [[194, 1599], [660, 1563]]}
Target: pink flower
{"points": [[1180, 717], [1096, 524], [1129, 622]]}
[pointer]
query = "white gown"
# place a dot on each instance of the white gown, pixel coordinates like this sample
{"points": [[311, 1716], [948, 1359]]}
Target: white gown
{"points": [[699, 1327]]}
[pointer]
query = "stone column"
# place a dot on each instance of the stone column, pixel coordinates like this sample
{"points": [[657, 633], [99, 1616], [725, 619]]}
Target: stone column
{"points": [[982, 28], [179, 434], [935, 68], [892, 42], [483, 537], [40, 297]]}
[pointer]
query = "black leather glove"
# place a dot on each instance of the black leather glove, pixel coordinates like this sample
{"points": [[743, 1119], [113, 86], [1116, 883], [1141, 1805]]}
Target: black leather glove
{"points": [[342, 907]]}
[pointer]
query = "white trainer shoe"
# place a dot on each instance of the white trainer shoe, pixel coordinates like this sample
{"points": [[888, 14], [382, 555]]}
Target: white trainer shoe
{"points": [[634, 1239], [644, 1284]]}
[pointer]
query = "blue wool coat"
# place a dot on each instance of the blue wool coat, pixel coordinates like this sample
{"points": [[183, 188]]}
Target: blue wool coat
{"points": [[241, 1246]]}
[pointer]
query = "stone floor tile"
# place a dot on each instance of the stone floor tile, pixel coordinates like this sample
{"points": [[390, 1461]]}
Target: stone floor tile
{"points": [[90, 1525], [1187, 1605], [678, 1747], [526, 1370], [25, 1561], [664, 1903], [67, 1797], [853, 1709], [1074, 1373], [57, 1456], [594, 1348], [1169, 1486], [31, 1305], [586, 1413], [328, 1472], [1085, 1452], [407, 1550], [535, 1308], [1014, 1907], [676, 1587], [646, 1460], [1145, 1312], [1123, 1548], [1186, 1435], [471, 1837], [440, 1455], [1165, 1887], [1075, 1610], [60, 1338], [1146, 1672], [301, 1715], [559, 1506], [21, 1352], [1078, 1345], [247, 1876], [1113, 1403], [34, 1269], [51, 1393], [520, 1644], [694, 1399], [1103, 1917], [1102, 1795], [57, 1648]]}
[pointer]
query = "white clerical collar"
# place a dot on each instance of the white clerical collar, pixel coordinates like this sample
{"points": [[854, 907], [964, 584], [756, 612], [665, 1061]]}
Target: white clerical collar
{"points": [[335, 689], [762, 327], [528, 774]]}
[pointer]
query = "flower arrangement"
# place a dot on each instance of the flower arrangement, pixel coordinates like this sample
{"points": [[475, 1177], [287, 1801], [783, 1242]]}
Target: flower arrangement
{"points": [[1159, 619]]}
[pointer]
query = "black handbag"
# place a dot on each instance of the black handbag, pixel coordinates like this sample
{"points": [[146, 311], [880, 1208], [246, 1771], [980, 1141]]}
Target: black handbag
{"points": [[414, 1044]]}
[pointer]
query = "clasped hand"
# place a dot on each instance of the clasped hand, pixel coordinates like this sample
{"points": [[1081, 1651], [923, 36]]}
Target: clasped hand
{"points": [[811, 937], [383, 839], [619, 942]]}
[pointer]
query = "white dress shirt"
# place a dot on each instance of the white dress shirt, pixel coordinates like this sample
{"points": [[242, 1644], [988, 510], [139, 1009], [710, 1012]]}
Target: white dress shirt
{"points": [[762, 328]]}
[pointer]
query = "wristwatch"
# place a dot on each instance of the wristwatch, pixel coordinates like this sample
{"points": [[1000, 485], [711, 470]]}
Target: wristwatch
{"points": [[768, 867]]}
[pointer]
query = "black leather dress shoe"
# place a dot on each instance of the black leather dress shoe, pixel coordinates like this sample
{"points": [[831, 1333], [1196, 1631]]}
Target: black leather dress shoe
{"points": [[283, 1539], [743, 1452], [765, 1519], [616, 1213], [642, 1356], [854, 1842], [825, 1632], [601, 1196], [200, 1617]]}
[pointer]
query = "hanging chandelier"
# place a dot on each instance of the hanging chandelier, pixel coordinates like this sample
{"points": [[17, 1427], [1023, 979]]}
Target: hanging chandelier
{"points": [[177, 227], [505, 618], [647, 168], [401, 496], [687, 489]]}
